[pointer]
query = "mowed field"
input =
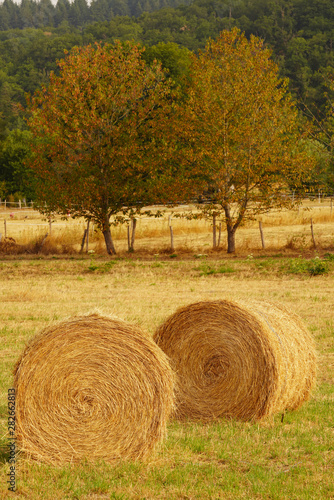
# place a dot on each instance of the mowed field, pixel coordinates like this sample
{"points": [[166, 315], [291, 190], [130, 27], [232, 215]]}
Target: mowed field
{"points": [[271, 459]]}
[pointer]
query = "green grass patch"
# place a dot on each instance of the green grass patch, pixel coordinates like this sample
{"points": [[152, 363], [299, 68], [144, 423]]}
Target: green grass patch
{"points": [[102, 268], [312, 267], [206, 269]]}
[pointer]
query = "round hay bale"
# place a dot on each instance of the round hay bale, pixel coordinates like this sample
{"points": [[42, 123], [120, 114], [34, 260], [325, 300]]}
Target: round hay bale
{"points": [[238, 360], [92, 388]]}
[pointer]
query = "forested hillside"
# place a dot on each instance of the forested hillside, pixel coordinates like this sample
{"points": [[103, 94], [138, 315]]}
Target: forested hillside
{"points": [[33, 35], [33, 14]]}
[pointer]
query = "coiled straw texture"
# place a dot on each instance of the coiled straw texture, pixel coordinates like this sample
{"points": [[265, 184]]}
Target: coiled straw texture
{"points": [[92, 388], [238, 360]]}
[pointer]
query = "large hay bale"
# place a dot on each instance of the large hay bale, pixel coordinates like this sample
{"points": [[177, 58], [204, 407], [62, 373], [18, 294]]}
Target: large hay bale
{"points": [[92, 387], [238, 360]]}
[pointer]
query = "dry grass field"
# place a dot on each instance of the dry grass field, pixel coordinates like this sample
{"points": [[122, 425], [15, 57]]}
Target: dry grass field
{"points": [[291, 460]]}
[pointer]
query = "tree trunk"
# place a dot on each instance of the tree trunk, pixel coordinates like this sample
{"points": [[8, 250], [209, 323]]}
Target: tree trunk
{"points": [[107, 237], [231, 229], [83, 240], [109, 242], [230, 240]]}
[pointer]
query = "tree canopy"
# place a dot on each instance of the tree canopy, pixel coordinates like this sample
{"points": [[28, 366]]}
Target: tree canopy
{"points": [[101, 135], [242, 126]]}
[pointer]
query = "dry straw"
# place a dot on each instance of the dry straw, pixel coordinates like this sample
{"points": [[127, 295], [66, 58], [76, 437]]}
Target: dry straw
{"points": [[93, 388], [238, 360]]}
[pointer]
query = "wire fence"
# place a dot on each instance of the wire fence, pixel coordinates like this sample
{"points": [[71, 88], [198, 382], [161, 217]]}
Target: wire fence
{"points": [[321, 196], [20, 218], [20, 204], [25, 226]]}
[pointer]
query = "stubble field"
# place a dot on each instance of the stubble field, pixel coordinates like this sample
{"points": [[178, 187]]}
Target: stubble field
{"points": [[293, 459]]}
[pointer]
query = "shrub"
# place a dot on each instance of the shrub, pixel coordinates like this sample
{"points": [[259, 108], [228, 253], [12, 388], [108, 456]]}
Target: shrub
{"points": [[313, 267]]}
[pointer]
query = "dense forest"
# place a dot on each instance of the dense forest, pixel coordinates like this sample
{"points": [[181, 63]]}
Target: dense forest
{"points": [[33, 35]]}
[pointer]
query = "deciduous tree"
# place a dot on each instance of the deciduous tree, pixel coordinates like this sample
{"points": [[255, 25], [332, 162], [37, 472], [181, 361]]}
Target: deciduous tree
{"points": [[244, 129], [14, 149], [101, 135]]}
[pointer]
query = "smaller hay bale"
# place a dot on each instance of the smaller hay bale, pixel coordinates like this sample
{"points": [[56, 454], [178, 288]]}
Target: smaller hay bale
{"points": [[238, 360], [93, 388]]}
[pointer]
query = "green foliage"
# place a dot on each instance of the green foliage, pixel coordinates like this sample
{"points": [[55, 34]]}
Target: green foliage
{"points": [[3, 189], [312, 267], [78, 13], [174, 59], [14, 176], [299, 35], [317, 266]]}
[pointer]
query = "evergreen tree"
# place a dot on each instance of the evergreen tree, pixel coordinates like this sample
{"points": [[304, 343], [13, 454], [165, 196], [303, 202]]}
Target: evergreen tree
{"points": [[79, 13], [12, 13], [28, 13], [100, 10], [45, 14], [62, 12], [4, 18]]}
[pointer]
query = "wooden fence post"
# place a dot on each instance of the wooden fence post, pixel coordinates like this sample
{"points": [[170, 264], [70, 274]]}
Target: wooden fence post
{"points": [[128, 230], [87, 237], [214, 233], [133, 233], [219, 233], [171, 233], [312, 232], [5, 224], [262, 236]]}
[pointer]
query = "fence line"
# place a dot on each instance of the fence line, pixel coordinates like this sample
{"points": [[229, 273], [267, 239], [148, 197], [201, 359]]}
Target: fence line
{"points": [[21, 224], [320, 196], [21, 204], [23, 208]]}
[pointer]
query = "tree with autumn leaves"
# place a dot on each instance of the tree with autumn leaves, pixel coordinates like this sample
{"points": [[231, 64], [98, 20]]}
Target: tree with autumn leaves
{"points": [[101, 135], [111, 135], [244, 129]]}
